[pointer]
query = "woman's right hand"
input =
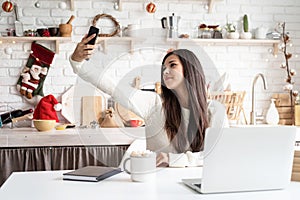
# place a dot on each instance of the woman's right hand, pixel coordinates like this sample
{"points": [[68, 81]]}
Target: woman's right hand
{"points": [[83, 50]]}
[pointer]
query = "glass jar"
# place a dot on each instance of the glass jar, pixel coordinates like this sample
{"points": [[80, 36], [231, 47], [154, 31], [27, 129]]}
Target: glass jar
{"points": [[204, 33], [217, 34], [11, 32]]}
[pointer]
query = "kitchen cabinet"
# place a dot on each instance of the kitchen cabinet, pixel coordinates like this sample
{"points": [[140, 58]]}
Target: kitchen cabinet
{"points": [[233, 42], [56, 40]]}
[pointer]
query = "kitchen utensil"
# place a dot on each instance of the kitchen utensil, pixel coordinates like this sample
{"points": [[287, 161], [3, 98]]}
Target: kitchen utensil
{"points": [[171, 23], [126, 115], [53, 31], [132, 30], [261, 32], [72, 101], [66, 29], [43, 32], [71, 19], [18, 24], [136, 122], [142, 166], [64, 126], [44, 124], [91, 109]]}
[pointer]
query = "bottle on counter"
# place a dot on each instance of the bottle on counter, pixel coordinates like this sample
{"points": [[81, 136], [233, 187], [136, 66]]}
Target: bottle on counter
{"points": [[7, 117], [272, 116]]}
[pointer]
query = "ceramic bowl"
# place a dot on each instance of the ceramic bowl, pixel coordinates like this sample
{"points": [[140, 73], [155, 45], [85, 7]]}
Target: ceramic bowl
{"points": [[53, 31], [41, 31], [44, 125]]}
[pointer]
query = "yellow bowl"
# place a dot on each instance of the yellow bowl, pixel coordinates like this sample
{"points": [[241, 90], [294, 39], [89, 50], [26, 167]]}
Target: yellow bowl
{"points": [[44, 125]]}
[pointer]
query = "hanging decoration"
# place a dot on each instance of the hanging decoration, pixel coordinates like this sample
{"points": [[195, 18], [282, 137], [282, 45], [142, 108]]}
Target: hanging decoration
{"points": [[289, 86], [7, 6], [116, 28], [151, 7]]}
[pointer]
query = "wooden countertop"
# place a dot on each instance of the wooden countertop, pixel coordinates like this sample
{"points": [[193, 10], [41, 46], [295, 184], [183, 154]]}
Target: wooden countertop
{"points": [[30, 137]]}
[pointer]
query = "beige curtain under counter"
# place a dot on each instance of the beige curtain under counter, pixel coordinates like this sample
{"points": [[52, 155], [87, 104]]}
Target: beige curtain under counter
{"points": [[57, 158]]}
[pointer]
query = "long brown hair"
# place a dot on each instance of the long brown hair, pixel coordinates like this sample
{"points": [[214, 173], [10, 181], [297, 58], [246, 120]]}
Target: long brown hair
{"points": [[192, 136]]}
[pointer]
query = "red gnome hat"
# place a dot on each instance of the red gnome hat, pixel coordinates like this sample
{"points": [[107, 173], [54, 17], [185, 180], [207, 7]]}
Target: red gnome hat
{"points": [[46, 108]]}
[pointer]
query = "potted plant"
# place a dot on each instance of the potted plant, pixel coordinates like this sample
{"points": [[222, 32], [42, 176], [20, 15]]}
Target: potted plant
{"points": [[246, 34], [231, 31]]}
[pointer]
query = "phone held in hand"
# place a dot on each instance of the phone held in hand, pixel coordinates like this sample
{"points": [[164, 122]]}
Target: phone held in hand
{"points": [[93, 30]]}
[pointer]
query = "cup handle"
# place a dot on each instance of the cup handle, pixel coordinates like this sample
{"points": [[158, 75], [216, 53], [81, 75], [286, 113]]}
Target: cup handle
{"points": [[124, 166]]}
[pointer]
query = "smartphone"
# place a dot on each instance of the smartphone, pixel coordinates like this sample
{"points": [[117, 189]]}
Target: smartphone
{"points": [[93, 30]]}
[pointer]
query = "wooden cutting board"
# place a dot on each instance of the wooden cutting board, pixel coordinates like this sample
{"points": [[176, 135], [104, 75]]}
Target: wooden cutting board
{"points": [[72, 101], [91, 109]]}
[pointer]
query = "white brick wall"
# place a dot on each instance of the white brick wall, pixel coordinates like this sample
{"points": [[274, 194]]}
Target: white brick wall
{"points": [[240, 62]]}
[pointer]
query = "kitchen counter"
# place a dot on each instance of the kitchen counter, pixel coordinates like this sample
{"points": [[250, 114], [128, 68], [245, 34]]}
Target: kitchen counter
{"points": [[26, 149], [30, 137]]}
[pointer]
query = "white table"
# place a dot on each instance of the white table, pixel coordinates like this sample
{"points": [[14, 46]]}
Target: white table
{"points": [[49, 185]]}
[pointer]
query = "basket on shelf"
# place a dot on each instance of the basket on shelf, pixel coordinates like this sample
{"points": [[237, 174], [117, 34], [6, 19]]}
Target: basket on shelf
{"points": [[284, 107], [233, 102]]}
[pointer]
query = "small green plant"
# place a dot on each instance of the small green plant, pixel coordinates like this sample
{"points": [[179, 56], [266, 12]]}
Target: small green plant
{"points": [[245, 23], [229, 27]]}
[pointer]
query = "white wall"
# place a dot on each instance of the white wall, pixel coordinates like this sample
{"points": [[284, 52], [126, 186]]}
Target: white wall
{"points": [[241, 63]]}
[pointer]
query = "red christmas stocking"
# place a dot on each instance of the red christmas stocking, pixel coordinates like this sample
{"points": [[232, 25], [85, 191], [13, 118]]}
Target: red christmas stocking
{"points": [[34, 73]]}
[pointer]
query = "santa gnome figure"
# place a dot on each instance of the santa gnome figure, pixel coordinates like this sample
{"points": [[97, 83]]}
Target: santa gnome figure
{"points": [[33, 75], [47, 108]]}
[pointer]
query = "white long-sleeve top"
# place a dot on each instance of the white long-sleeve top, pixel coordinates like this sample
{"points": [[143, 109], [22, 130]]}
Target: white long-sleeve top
{"points": [[148, 105]]}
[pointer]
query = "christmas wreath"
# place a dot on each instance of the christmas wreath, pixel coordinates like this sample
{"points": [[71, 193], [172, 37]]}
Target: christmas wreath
{"points": [[116, 24]]}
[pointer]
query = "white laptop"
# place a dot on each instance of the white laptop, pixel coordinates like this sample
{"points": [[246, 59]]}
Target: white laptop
{"points": [[246, 159]]}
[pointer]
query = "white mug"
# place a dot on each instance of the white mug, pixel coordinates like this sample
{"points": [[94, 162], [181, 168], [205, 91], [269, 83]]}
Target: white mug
{"points": [[142, 166], [261, 32], [132, 30]]}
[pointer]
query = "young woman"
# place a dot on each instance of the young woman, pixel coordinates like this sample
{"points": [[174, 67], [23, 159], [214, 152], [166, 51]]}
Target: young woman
{"points": [[175, 121]]}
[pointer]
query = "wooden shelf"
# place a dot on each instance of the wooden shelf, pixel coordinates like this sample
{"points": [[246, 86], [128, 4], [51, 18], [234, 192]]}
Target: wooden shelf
{"points": [[57, 40], [210, 4], [104, 41], [212, 42]]}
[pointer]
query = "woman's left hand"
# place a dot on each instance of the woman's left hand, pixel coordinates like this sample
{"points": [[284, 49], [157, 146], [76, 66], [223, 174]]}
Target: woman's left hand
{"points": [[83, 50], [162, 159]]}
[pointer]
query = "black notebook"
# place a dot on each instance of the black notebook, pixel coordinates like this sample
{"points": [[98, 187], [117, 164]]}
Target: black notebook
{"points": [[91, 173]]}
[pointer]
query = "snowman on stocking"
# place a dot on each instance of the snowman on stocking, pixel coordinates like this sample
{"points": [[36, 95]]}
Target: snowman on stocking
{"points": [[33, 75]]}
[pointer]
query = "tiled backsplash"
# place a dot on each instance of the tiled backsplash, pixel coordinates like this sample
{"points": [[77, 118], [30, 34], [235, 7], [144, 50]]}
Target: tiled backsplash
{"points": [[240, 62]]}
